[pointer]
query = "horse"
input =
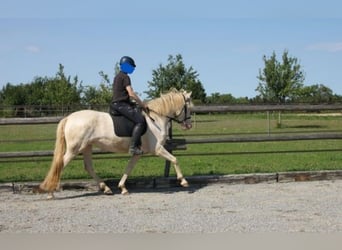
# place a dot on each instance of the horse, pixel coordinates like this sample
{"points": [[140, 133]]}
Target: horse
{"points": [[78, 132]]}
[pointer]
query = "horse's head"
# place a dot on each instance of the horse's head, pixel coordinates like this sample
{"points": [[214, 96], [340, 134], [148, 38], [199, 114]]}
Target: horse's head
{"points": [[174, 105], [183, 116]]}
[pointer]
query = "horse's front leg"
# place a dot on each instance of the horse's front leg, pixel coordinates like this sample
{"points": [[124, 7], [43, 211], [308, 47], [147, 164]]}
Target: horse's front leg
{"points": [[161, 151], [127, 172]]}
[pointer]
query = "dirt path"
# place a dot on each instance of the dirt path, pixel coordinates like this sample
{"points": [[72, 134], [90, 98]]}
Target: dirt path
{"points": [[276, 207]]}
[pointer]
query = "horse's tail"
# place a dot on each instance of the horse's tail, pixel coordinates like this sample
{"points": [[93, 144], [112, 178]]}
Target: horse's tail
{"points": [[51, 180]]}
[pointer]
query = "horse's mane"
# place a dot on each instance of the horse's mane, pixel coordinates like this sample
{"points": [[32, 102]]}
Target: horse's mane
{"points": [[167, 103]]}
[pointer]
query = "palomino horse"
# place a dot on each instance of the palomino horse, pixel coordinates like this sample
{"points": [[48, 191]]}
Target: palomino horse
{"points": [[79, 131]]}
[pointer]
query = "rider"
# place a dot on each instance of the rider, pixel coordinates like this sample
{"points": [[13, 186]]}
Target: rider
{"points": [[122, 103]]}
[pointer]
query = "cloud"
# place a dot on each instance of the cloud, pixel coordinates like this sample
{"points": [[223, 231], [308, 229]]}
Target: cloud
{"points": [[329, 47], [32, 49]]}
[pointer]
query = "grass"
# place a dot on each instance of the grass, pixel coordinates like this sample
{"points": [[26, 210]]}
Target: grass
{"points": [[198, 159]]}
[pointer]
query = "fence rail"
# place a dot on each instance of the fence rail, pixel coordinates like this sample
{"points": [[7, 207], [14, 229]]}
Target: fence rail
{"points": [[263, 108], [199, 110], [180, 144], [30, 120]]}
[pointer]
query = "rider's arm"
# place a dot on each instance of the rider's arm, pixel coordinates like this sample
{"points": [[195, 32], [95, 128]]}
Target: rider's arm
{"points": [[133, 95]]}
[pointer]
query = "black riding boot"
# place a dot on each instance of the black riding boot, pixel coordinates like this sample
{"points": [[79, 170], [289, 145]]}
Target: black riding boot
{"points": [[134, 148]]}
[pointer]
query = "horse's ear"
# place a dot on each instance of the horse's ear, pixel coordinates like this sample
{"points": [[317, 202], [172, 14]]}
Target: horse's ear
{"points": [[185, 92], [187, 95]]}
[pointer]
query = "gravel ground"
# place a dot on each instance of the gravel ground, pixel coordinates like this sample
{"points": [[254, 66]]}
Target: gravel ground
{"points": [[266, 207]]}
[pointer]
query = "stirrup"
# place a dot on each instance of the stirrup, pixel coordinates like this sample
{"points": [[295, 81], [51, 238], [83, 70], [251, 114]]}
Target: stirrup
{"points": [[135, 151]]}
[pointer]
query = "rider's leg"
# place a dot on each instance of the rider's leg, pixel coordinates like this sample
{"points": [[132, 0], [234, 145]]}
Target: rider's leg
{"points": [[135, 116], [135, 147]]}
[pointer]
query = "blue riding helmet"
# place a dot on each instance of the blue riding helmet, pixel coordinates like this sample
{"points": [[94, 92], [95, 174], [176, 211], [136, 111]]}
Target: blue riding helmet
{"points": [[127, 64], [127, 68], [127, 59]]}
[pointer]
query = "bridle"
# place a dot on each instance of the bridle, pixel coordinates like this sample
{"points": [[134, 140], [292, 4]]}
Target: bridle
{"points": [[184, 110]]}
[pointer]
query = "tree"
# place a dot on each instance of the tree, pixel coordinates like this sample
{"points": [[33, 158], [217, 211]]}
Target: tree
{"points": [[44, 92], [317, 93], [61, 90], [217, 98], [14, 94], [280, 82], [98, 96], [105, 88], [175, 75]]}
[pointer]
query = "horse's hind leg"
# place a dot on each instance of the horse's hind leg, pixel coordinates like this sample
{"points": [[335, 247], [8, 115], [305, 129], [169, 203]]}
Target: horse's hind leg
{"points": [[68, 156], [88, 166]]}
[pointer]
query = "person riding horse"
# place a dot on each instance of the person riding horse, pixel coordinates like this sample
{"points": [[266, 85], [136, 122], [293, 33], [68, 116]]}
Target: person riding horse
{"points": [[122, 103]]}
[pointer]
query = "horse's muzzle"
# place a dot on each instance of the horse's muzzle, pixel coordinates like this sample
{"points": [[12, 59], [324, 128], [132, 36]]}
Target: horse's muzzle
{"points": [[186, 125]]}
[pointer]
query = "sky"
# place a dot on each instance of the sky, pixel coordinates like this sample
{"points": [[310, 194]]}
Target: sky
{"points": [[223, 40]]}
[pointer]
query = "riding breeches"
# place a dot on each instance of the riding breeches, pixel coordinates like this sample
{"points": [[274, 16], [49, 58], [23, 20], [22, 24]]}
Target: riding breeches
{"points": [[131, 112]]}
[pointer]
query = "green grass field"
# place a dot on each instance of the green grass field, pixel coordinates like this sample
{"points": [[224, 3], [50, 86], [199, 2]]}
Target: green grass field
{"points": [[198, 159]]}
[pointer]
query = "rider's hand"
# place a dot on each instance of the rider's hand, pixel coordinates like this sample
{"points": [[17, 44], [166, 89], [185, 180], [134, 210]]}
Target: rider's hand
{"points": [[145, 108]]}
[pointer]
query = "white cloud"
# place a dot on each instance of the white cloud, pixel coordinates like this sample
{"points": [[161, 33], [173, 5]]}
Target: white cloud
{"points": [[32, 49], [330, 47]]}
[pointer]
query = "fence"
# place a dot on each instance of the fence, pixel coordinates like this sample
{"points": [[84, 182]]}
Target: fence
{"points": [[177, 144], [26, 111]]}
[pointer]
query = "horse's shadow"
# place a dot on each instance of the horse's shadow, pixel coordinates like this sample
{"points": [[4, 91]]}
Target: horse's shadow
{"points": [[132, 192], [135, 188], [77, 196]]}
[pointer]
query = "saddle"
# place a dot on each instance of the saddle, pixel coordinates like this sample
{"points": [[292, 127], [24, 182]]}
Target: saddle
{"points": [[123, 127]]}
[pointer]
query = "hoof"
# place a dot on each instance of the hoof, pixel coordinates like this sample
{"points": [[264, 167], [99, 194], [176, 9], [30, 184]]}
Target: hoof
{"points": [[123, 189], [125, 192], [50, 196], [184, 183], [107, 190]]}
